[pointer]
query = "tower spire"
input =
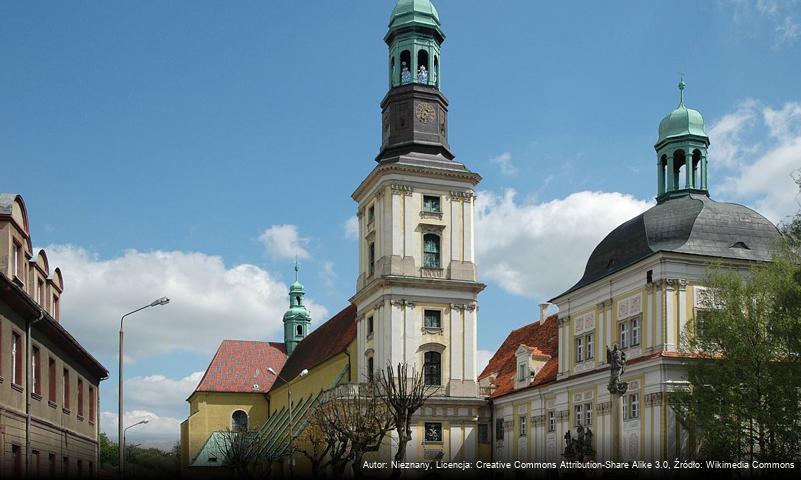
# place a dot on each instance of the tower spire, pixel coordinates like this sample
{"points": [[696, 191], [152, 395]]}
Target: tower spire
{"points": [[682, 86]]}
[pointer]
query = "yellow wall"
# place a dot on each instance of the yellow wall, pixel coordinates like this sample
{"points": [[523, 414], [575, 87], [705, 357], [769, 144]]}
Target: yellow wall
{"points": [[211, 412]]}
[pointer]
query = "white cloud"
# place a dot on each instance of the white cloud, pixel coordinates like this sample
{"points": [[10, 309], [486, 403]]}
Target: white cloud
{"points": [[779, 17], [766, 157], [159, 431], [158, 393], [283, 241], [482, 359], [504, 162], [787, 31], [540, 249], [209, 301], [328, 275], [352, 228], [726, 147]]}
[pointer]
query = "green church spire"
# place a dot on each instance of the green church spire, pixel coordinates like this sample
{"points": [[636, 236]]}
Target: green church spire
{"points": [[414, 40], [681, 151], [297, 319]]}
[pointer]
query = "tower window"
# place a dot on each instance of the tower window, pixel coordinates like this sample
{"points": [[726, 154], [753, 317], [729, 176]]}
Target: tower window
{"points": [[432, 319], [239, 421], [406, 65], [696, 162], [299, 330], [679, 161], [371, 258], [422, 67], [369, 325], [432, 368], [370, 214], [431, 251], [431, 204], [435, 72], [298, 301]]}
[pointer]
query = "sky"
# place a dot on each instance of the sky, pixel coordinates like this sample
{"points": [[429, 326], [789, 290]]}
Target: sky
{"points": [[193, 149]]}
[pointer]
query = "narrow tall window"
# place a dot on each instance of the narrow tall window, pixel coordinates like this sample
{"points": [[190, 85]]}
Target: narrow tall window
{"points": [[41, 292], [371, 258], [17, 266], [51, 379], [16, 359], [56, 308], [588, 414], [522, 425], [635, 332], [299, 330], [36, 371], [635, 405], [521, 372], [433, 318], [579, 349], [66, 388], [370, 325], [370, 368], [431, 251], [551, 421], [91, 404], [578, 415], [432, 367], [370, 214], [499, 429], [80, 397], [624, 335]]}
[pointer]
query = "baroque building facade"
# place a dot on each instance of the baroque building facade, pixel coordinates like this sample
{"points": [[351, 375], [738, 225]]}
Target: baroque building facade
{"points": [[642, 288], [49, 384]]}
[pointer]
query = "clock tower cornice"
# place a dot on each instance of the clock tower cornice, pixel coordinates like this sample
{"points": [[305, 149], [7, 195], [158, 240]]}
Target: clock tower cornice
{"points": [[382, 170]]}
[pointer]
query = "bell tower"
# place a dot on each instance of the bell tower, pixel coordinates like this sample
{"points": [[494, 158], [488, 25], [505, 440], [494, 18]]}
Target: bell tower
{"points": [[297, 319], [681, 152], [417, 289]]}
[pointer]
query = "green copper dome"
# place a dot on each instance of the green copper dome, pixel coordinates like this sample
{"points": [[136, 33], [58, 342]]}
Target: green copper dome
{"points": [[681, 121], [414, 12], [296, 287]]}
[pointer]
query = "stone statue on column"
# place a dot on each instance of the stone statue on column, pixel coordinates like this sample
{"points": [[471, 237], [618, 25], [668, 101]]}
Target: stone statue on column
{"points": [[617, 365]]}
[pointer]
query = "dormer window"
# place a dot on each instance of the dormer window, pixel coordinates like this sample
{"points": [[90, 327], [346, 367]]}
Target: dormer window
{"points": [[522, 372], [17, 260]]}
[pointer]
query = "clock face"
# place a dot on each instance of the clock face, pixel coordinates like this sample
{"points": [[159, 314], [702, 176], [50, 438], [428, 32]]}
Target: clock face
{"points": [[425, 112]]}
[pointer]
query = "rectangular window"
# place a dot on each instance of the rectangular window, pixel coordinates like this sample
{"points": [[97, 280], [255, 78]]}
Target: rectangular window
{"points": [[51, 380], [371, 258], [40, 285], [432, 368], [370, 368], [522, 425], [36, 371], [590, 347], [79, 463], [56, 308], [521, 372], [579, 349], [433, 318], [65, 467], [51, 465], [431, 244], [80, 397], [634, 400], [35, 464], [66, 386], [16, 359], [551, 421], [624, 335], [433, 432], [92, 404], [483, 433], [369, 325], [578, 416], [17, 265], [431, 204], [370, 214], [588, 414], [499, 429], [635, 331]]}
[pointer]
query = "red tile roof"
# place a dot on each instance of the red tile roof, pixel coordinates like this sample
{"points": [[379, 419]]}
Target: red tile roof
{"points": [[538, 338], [239, 365], [324, 342]]}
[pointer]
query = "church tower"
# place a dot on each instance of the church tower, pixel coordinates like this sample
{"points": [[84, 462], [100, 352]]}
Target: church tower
{"points": [[297, 319], [417, 286], [681, 152]]}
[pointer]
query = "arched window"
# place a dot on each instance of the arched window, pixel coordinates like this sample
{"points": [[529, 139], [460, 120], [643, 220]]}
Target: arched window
{"points": [[297, 300], [431, 251], [662, 172], [406, 67], [239, 421], [679, 161], [697, 183], [299, 330], [392, 70], [435, 72], [432, 368], [371, 258], [423, 70]]}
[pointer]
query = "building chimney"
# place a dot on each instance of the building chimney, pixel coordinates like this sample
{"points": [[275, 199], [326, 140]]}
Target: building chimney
{"points": [[543, 310]]}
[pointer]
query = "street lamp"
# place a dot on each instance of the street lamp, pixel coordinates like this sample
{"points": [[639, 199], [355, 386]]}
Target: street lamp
{"points": [[121, 436], [302, 373], [140, 422]]}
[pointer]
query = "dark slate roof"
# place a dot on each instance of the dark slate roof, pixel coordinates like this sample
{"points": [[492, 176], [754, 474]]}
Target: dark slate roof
{"points": [[324, 342], [540, 339], [692, 224], [240, 366]]}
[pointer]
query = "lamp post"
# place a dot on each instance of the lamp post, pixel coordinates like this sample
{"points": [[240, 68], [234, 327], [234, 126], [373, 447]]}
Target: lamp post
{"points": [[121, 435], [140, 422], [302, 373]]}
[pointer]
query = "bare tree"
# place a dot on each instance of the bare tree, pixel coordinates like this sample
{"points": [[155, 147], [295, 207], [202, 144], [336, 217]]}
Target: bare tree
{"points": [[403, 391], [316, 442], [244, 453], [358, 419]]}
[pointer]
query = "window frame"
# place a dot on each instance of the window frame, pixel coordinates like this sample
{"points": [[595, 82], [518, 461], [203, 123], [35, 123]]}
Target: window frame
{"points": [[438, 207], [432, 370], [436, 313], [551, 421], [499, 431], [36, 371], [52, 387], [370, 326], [65, 389], [522, 426], [429, 256], [371, 258], [17, 365]]}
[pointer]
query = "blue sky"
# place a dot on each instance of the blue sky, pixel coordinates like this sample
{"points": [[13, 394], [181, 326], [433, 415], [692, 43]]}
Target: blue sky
{"points": [[191, 149]]}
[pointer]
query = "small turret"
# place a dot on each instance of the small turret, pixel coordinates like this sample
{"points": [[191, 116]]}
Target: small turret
{"points": [[297, 319]]}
